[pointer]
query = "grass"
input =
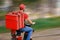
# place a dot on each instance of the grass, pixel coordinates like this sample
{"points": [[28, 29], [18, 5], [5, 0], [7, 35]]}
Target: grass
{"points": [[3, 29], [46, 23], [41, 24], [2, 15]]}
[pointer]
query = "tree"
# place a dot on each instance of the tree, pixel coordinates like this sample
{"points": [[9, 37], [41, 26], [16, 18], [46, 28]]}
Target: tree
{"points": [[17, 2], [1, 2]]}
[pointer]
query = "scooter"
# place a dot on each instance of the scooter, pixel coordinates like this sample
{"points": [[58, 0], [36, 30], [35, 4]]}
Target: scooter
{"points": [[14, 36]]}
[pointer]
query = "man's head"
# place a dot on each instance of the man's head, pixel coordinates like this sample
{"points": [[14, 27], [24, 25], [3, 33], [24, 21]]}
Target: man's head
{"points": [[22, 6]]}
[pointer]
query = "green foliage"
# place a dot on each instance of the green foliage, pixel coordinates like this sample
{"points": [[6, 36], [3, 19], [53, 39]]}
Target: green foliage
{"points": [[28, 2], [3, 29], [1, 2], [46, 23], [2, 15]]}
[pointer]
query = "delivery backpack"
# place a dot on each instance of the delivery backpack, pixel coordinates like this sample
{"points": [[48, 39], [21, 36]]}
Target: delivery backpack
{"points": [[14, 20]]}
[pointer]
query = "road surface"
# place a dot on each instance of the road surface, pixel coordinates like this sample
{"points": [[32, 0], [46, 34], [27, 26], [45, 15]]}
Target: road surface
{"points": [[49, 34]]}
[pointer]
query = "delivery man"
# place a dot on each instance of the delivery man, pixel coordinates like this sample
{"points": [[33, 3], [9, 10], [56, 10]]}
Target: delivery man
{"points": [[26, 28]]}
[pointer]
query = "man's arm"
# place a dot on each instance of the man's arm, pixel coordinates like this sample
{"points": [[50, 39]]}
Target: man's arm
{"points": [[30, 21]]}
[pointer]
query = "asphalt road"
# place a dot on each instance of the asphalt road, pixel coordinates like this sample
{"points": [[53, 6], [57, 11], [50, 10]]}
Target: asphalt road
{"points": [[49, 34]]}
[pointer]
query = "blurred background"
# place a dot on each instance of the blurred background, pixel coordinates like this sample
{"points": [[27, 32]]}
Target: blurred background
{"points": [[45, 8], [44, 12]]}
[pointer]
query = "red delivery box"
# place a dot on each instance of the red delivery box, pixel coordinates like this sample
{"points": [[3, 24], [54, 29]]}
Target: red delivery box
{"points": [[14, 21]]}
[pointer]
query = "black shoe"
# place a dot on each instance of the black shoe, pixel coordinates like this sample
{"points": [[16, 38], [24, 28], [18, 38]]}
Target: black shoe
{"points": [[30, 38]]}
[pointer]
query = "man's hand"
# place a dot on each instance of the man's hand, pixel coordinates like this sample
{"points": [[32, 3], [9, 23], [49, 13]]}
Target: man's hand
{"points": [[33, 23], [30, 21]]}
